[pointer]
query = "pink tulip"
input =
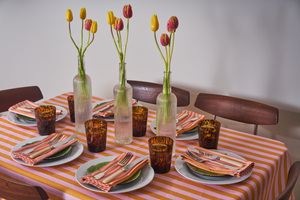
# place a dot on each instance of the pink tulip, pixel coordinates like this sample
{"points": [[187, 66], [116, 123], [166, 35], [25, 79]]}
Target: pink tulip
{"points": [[164, 39], [119, 24], [172, 24], [88, 24], [127, 11]]}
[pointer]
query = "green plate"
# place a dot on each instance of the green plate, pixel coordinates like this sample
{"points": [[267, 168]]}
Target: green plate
{"points": [[93, 168], [192, 130], [202, 171], [25, 117], [99, 104]]}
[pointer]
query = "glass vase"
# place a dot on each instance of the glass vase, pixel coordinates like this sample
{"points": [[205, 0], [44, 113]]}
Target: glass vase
{"points": [[166, 104], [123, 109], [82, 88]]}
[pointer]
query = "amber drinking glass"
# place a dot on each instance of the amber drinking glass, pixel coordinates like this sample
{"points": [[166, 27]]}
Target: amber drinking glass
{"points": [[209, 131], [71, 107], [96, 131], [45, 119], [139, 120], [160, 149]]}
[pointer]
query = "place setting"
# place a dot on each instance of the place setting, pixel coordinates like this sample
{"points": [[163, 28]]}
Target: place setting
{"points": [[207, 164], [23, 113]]}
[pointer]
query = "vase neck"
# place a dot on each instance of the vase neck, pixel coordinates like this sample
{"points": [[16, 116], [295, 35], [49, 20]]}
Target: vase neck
{"points": [[81, 66], [167, 83], [122, 74]]}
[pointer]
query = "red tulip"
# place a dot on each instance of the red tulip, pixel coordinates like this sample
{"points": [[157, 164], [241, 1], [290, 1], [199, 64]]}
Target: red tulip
{"points": [[172, 24], [88, 24], [127, 11], [119, 24], [164, 39]]}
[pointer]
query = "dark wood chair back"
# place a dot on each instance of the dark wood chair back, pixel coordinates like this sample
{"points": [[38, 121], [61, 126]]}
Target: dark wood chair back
{"points": [[291, 181], [237, 109], [10, 189], [13, 96], [148, 92]]}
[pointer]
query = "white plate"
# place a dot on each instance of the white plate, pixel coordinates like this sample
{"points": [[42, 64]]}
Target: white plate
{"points": [[182, 169], [110, 118], [13, 118], [146, 176], [184, 136], [76, 151]]}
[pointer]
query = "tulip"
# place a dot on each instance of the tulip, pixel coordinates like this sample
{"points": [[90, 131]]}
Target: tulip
{"points": [[127, 11], [154, 23], [119, 24], [172, 24], [82, 14], [94, 27], [164, 39], [88, 24], [69, 15], [110, 18]]}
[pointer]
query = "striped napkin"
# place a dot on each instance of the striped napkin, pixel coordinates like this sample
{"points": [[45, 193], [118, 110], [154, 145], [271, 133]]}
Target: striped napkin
{"points": [[30, 161], [121, 178], [104, 113], [16, 109], [215, 168], [189, 125]]}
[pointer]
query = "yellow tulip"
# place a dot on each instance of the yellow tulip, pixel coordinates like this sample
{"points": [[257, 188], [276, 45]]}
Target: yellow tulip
{"points": [[94, 27], [110, 18], [69, 15], [82, 14], [154, 23]]}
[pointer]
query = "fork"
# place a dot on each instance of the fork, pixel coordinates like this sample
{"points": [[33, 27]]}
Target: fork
{"points": [[122, 162], [27, 151], [178, 128], [197, 159]]}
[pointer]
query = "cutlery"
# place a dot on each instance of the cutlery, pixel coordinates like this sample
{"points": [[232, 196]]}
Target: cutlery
{"points": [[217, 157], [130, 165], [25, 109], [53, 146], [122, 162], [27, 151], [197, 159], [106, 107], [178, 128], [181, 117]]}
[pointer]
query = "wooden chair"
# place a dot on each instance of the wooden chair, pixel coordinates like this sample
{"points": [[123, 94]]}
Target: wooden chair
{"points": [[10, 189], [237, 109], [12, 96], [291, 181], [147, 92]]}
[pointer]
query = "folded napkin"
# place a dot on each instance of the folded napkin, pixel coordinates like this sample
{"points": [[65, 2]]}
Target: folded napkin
{"points": [[20, 108], [119, 179], [104, 113], [189, 125], [215, 168], [30, 161]]}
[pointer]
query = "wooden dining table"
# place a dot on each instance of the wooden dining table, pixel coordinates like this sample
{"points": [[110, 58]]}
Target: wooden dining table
{"points": [[267, 180]]}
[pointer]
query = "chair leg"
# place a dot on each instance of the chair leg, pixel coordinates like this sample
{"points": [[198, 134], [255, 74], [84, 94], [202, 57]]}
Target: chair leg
{"points": [[255, 129]]}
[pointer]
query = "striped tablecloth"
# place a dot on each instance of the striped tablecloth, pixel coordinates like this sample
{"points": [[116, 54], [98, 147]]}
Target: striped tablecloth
{"points": [[271, 158]]}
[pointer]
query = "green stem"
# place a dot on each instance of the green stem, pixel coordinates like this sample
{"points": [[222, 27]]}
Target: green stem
{"points": [[159, 48], [125, 47], [88, 44], [72, 37]]}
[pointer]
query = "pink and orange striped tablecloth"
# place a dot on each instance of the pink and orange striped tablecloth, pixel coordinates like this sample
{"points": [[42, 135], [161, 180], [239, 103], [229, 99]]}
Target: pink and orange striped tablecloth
{"points": [[271, 158]]}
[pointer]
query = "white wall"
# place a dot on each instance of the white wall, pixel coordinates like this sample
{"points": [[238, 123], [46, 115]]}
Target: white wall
{"points": [[247, 49]]}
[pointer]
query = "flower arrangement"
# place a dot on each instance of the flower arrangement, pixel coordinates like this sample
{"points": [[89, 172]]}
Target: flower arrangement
{"points": [[91, 27]]}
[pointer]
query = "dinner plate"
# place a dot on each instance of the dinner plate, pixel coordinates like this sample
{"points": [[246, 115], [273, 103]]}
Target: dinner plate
{"points": [[110, 118], [76, 151], [184, 136], [147, 174], [15, 120], [183, 169]]}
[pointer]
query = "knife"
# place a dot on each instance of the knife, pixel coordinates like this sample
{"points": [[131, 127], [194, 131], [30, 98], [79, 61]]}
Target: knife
{"points": [[217, 157], [181, 117], [132, 164], [104, 108], [53, 146]]}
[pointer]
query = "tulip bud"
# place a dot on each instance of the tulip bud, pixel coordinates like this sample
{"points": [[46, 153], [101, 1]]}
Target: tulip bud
{"points": [[82, 14], [154, 23], [88, 24], [127, 11], [69, 15], [94, 27], [110, 18], [164, 39], [119, 24], [172, 24]]}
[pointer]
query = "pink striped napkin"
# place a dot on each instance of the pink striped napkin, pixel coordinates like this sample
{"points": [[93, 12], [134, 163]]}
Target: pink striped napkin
{"points": [[23, 104], [30, 161], [121, 178], [189, 125], [104, 113]]}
